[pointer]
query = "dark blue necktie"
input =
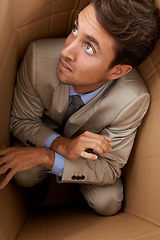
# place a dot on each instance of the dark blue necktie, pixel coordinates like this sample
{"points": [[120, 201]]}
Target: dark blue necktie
{"points": [[76, 104]]}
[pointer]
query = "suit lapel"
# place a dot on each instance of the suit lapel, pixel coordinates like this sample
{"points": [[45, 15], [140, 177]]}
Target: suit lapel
{"points": [[60, 103], [78, 119]]}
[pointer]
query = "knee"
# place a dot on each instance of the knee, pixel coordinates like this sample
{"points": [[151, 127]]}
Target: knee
{"points": [[107, 206], [105, 200], [30, 178]]}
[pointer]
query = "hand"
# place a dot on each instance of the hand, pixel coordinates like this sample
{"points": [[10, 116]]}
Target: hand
{"points": [[17, 159], [75, 148]]}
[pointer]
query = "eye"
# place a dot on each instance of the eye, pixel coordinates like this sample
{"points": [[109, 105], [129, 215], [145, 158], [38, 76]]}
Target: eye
{"points": [[75, 31], [89, 49]]}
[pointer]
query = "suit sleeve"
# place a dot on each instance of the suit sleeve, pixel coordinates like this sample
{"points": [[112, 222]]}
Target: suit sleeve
{"points": [[106, 169], [27, 109]]}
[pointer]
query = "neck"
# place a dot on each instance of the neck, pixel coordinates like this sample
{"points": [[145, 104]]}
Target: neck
{"points": [[86, 89]]}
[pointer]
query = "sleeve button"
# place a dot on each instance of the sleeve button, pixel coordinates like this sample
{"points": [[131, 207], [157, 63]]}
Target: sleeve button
{"points": [[73, 177]]}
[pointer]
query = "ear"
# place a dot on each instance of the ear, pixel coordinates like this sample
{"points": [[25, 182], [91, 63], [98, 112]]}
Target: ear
{"points": [[119, 71]]}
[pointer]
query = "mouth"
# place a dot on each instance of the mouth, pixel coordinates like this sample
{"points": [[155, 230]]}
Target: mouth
{"points": [[64, 67]]}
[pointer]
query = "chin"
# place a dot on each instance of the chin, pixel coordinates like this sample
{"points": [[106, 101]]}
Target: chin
{"points": [[61, 78], [59, 75]]}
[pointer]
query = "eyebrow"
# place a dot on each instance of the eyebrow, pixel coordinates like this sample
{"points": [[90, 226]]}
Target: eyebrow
{"points": [[93, 40], [90, 38], [76, 21]]}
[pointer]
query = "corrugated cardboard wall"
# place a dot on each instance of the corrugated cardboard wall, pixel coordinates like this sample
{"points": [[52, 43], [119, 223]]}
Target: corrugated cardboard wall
{"points": [[23, 21], [142, 178], [142, 173], [20, 23]]}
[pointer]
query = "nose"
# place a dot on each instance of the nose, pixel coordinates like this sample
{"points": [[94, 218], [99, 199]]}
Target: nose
{"points": [[70, 50]]}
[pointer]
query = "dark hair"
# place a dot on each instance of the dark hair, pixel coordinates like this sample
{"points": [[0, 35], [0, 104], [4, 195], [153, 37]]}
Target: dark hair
{"points": [[133, 24]]}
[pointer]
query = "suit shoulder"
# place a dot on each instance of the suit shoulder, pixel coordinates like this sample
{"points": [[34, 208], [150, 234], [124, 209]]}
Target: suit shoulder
{"points": [[45, 56], [49, 47], [133, 83], [126, 91], [128, 88]]}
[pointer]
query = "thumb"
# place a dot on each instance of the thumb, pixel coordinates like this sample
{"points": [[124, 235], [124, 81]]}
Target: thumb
{"points": [[108, 139]]}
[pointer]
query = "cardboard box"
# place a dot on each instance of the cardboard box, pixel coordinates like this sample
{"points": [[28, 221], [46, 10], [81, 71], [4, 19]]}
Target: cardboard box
{"points": [[20, 23]]}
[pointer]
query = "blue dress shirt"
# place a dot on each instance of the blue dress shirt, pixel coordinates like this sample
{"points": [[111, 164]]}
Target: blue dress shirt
{"points": [[58, 166]]}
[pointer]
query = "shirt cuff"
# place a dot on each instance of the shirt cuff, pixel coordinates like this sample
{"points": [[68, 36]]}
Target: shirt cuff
{"points": [[58, 166], [51, 139]]}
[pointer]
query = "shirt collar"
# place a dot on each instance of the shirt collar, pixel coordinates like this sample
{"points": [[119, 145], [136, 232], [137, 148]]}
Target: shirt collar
{"points": [[87, 96]]}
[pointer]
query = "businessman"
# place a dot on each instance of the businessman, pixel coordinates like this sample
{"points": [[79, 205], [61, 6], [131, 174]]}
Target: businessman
{"points": [[78, 102]]}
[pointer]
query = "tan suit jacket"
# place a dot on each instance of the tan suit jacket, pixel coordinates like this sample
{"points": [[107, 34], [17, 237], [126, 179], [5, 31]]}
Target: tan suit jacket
{"points": [[40, 101]]}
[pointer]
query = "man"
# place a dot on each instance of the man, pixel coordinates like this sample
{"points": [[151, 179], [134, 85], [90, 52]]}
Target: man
{"points": [[91, 146]]}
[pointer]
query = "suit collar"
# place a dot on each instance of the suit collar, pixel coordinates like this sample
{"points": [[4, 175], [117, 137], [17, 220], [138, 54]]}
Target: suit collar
{"points": [[87, 96], [78, 119]]}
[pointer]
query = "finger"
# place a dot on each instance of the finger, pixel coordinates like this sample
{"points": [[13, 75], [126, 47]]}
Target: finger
{"points": [[101, 140], [89, 156], [4, 151], [108, 139], [101, 150], [9, 155], [99, 146], [5, 159], [104, 145], [4, 168], [6, 180], [97, 136]]}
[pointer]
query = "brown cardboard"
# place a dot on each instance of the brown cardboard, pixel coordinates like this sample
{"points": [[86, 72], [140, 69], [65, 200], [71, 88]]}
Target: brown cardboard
{"points": [[142, 171], [78, 223], [14, 209], [20, 23]]}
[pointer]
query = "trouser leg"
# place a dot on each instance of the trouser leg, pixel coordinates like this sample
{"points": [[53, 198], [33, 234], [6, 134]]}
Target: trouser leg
{"points": [[31, 177], [105, 200]]}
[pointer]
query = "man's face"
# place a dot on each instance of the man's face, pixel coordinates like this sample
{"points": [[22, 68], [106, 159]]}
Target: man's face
{"points": [[87, 54]]}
